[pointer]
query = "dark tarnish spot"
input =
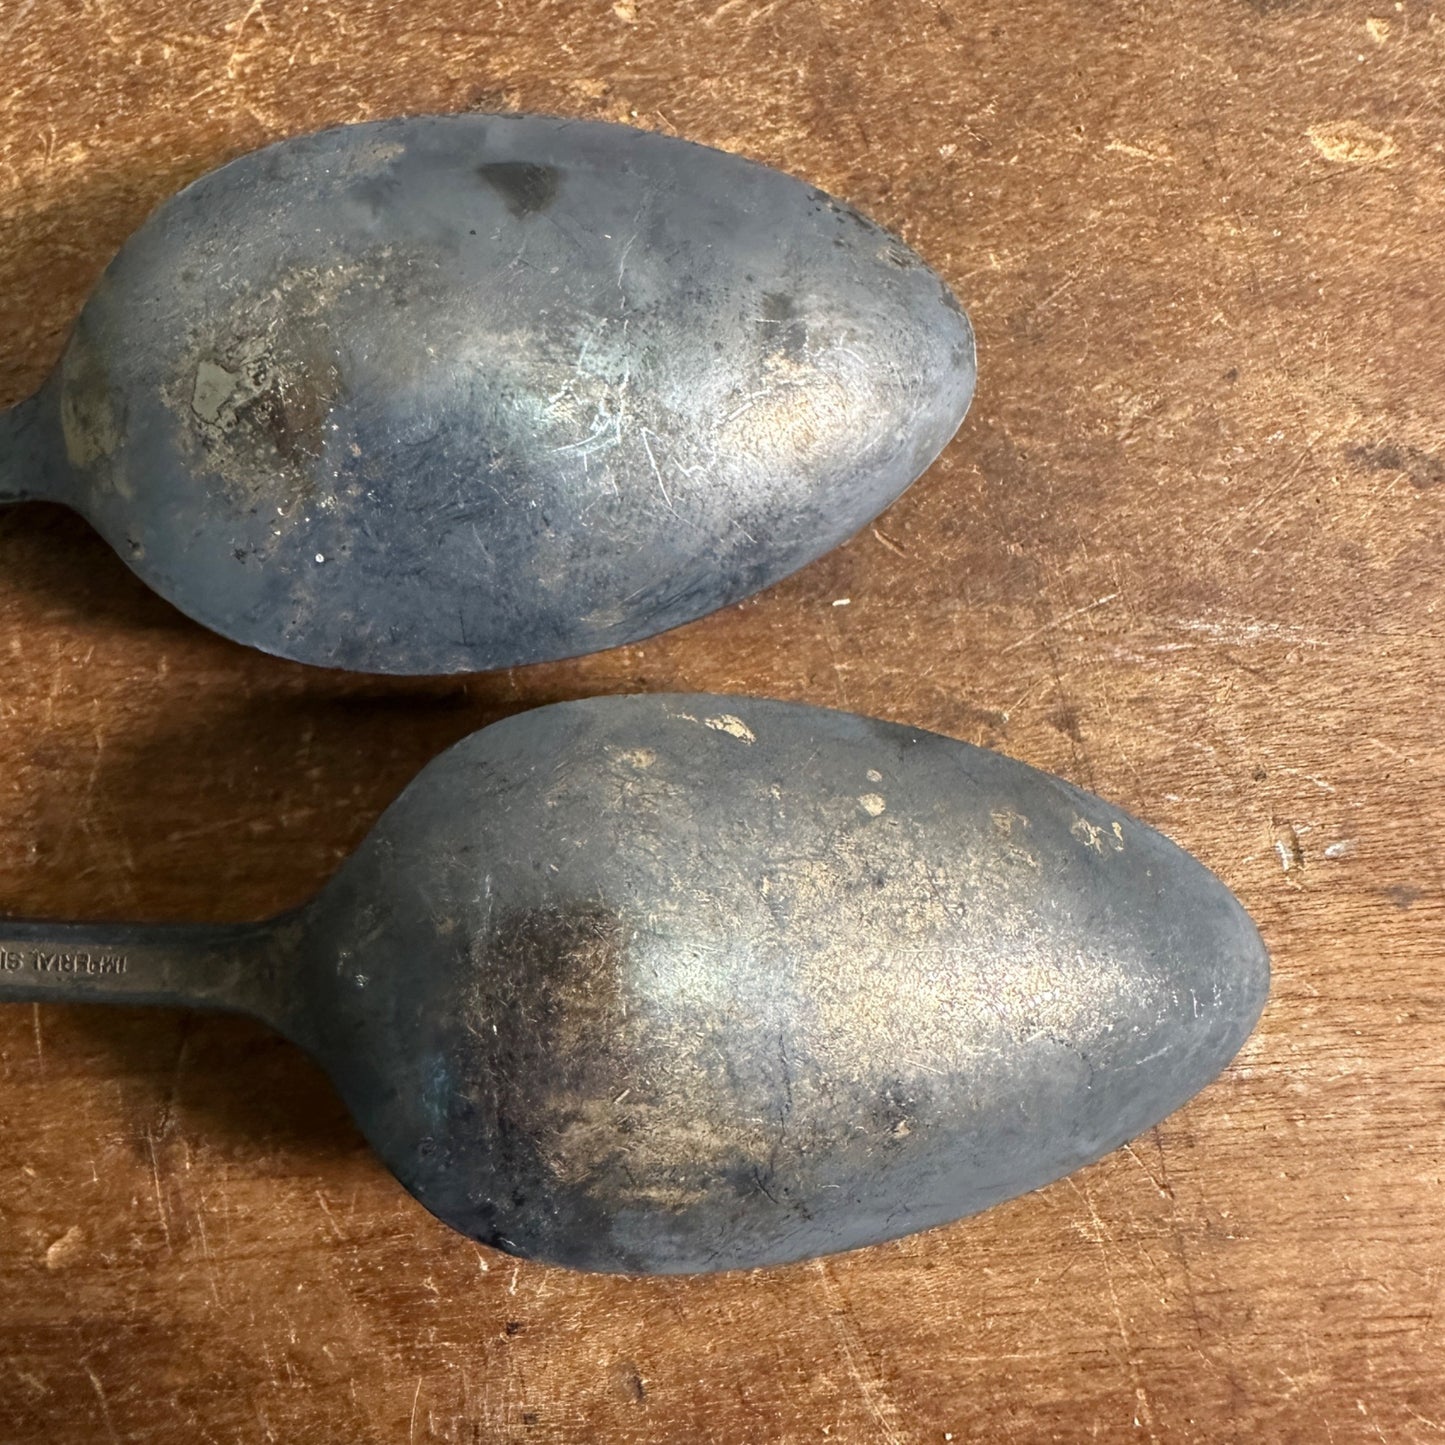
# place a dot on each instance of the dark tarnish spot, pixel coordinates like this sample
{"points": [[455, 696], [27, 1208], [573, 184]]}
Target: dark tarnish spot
{"points": [[1423, 468], [261, 419], [562, 965], [784, 331], [749, 1177], [291, 415], [844, 212], [773, 1176], [538, 1079], [601, 1153], [896, 1112], [525, 186], [378, 194], [262, 391]]}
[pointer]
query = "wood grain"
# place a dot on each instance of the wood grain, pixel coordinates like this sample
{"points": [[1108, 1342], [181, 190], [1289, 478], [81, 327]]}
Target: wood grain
{"points": [[1186, 551]]}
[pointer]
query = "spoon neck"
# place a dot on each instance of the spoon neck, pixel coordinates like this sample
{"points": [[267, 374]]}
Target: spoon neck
{"points": [[235, 968], [27, 467]]}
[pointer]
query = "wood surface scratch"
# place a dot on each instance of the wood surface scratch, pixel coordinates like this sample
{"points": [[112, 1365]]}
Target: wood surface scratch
{"points": [[855, 1354]]}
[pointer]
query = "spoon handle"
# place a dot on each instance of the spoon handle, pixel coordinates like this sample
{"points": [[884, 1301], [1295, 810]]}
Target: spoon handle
{"points": [[232, 967], [25, 443]]}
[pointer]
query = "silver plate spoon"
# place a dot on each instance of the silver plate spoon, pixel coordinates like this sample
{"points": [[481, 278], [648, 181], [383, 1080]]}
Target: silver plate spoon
{"points": [[461, 392], [676, 983]]}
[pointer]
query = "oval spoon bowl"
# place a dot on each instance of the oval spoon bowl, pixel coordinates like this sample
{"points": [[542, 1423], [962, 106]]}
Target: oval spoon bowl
{"points": [[686, 983], [451, 393]]}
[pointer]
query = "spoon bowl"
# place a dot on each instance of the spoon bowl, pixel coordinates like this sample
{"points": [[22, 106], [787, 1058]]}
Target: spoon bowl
{"points": [[685, 983], [451, 393]]}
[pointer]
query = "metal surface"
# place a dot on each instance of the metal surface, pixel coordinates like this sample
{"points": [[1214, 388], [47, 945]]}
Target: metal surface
{"points": [[684, 983], [462, 392]]}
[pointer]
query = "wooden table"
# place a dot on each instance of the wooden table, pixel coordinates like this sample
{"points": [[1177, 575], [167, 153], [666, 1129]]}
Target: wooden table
{"points": [[1186, 551]]}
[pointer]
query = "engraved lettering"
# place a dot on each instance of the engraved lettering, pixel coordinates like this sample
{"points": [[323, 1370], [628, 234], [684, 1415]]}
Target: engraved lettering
{"points": [[14, 960]]}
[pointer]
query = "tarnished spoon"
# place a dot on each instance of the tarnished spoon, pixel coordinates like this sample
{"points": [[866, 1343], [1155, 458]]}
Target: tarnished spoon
{"points": [[462, 392], [674, 983]]}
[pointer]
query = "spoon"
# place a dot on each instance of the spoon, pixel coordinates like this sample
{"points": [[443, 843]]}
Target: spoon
{"points": [[461, 392], [678, 983]]}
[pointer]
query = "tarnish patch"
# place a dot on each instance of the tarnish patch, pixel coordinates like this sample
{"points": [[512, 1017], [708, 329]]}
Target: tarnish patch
{"points": [[784, 332], [873, 804], [262, 379], [525, 186], [87, 409], [585, 1083], [261, 417], [551, 983]]}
